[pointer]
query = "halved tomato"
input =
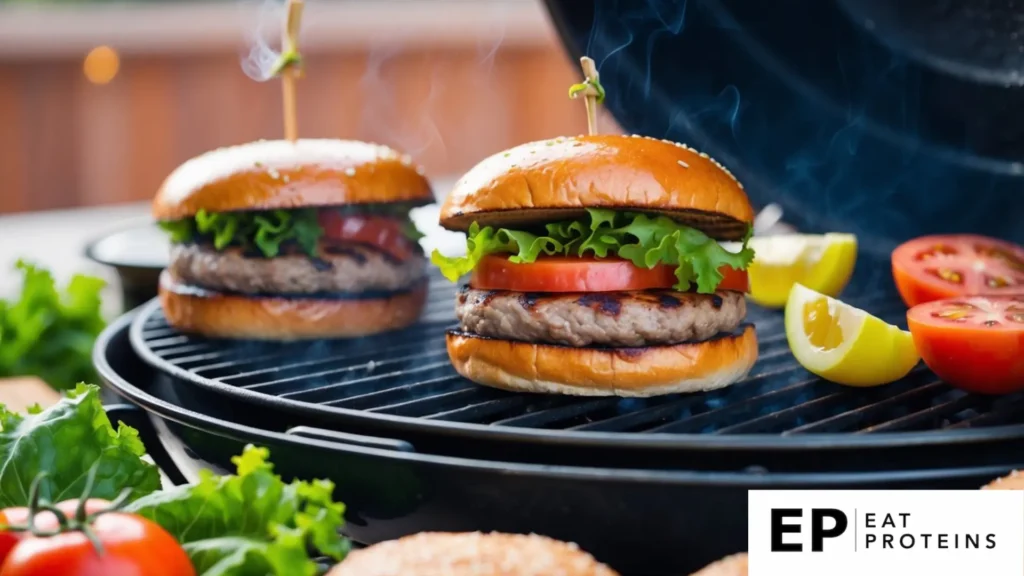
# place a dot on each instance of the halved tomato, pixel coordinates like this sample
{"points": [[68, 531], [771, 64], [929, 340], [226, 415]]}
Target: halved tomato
{"points": [[573, 274], [936, 267], [974, 342], [380, 231]]}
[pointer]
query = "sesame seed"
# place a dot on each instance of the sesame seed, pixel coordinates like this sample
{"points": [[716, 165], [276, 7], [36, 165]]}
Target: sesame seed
{"points": [[273, 173], [634, 136], [684, 164], [406, 159], [507, 154], [420, 170], [704, 155], [258, 164], [286, 179], [350, 172]]}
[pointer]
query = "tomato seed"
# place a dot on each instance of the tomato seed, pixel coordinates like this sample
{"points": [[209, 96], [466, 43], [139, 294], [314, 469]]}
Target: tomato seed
{"points": [[1015, 318], [937, 250], [996, 282], [947, 275]]}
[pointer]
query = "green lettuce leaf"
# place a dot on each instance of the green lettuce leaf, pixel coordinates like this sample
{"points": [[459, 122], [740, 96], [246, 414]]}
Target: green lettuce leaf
{"points": [[251, 522], [265, 231], [67, 440], [645, 241], [50, 334]]}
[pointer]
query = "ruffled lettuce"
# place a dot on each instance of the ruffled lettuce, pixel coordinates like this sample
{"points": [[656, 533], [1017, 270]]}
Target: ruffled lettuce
{"points": [[264, 231], [646, 241]]}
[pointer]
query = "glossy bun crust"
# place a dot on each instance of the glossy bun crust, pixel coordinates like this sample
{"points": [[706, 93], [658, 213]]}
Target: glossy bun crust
{"points": [[593, 371], [471, 554], [735, 565], [222, 315], [558, 179], [277, 174]]}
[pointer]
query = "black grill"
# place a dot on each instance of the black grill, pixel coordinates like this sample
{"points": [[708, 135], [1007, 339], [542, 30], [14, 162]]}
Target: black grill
{"points": [[407, 375]]}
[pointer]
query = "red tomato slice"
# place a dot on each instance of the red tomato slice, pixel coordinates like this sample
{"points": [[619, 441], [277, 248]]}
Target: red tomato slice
{"points": [[379, 231], [936, 267], [974, 342], [573, 274]]}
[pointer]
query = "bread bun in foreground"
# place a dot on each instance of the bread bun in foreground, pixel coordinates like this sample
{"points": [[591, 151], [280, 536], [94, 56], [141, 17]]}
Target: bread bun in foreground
{"points": [[471, 554], [558, 179], [735, 565]]}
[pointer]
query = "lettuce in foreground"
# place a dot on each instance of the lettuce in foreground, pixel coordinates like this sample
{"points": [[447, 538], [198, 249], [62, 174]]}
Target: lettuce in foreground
{"points": [[50, 334], [252, 522], [66, 440], [639, 238]]}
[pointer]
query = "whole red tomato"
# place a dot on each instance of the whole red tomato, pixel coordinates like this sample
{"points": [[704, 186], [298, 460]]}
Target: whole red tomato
{"points": [[132, 546], [45, 520]]}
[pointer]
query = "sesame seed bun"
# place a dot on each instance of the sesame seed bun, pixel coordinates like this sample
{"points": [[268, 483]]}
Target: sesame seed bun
{"points": [[735, 565], [558, 179], [277, 174], [595, 371], [1013, 481], [471, 554]]}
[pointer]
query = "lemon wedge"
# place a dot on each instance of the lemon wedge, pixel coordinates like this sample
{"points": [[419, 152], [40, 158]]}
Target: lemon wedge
{"points": [[820, 262], [844, 344]]}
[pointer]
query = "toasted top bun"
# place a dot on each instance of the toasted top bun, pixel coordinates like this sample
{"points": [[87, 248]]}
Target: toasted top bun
{"points": [[735, 565], [277, 174], [471, 554], [558, 179], [1013, 481]]}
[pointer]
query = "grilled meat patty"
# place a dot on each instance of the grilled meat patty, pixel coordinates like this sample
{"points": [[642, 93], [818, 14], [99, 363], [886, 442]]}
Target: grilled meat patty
{"points": [[339, 267], [600, 318]]}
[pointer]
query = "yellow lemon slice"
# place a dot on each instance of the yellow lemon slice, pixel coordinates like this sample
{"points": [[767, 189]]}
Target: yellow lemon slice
{"points": [[844, 344], [821, 262]]}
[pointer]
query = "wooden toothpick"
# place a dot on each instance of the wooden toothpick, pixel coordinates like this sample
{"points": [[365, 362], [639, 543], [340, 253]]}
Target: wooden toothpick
{"points": [[289, 66], [591, 90]]}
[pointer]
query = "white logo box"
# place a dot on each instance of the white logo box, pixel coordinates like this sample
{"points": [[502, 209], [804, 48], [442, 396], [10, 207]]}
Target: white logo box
{"points": [[933, 532]]}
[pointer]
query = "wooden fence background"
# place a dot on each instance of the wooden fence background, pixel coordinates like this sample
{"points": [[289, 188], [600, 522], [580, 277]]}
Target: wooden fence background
{"points": [[447, 81]]}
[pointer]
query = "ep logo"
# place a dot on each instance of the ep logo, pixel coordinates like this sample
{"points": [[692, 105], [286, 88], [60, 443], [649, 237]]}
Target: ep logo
{"points": [[824, 523]]}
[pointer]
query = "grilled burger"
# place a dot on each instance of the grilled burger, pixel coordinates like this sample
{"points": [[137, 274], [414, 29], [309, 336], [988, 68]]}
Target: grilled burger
{"points": [[278, 240], [595, 268], [471, 554]]}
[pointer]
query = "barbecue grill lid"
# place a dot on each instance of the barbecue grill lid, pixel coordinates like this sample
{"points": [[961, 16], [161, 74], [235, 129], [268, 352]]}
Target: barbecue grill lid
{"points": [[843, 113]]}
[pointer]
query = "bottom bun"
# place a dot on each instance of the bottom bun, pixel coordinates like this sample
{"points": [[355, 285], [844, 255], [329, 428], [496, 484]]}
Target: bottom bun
{"points": [[646, 371], [735, 565], [471, 554], [228, 315]]}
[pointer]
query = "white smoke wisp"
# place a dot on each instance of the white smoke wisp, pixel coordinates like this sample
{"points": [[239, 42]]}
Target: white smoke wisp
{"points": [[262, 20]]}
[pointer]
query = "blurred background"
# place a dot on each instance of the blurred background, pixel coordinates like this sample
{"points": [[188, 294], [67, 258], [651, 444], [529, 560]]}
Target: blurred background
{"points": [[99, 101]]}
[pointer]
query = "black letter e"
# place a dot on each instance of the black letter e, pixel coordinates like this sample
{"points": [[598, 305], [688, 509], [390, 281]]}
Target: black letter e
{"points": [[778, 529]]}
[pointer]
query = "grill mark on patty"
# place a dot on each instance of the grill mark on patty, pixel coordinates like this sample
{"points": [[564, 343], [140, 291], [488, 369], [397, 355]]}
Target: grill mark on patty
{"points": [[668, 301], [528, 299], [606, 302]]}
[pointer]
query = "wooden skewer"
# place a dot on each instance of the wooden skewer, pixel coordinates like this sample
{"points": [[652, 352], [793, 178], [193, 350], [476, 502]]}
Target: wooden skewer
{"points": [[290, 67], [591, 90]]}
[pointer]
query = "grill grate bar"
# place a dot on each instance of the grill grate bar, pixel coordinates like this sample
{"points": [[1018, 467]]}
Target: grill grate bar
{"points": [[565, 410], [400, 394], [948, 408], [437, 404], [482, 410], [368, 366], [1004, 411], [907, 392], [362, 385]]}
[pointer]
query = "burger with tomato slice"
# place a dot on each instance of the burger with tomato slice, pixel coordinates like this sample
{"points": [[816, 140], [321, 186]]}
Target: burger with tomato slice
{"points": [[596, 267], [279, 240]]}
